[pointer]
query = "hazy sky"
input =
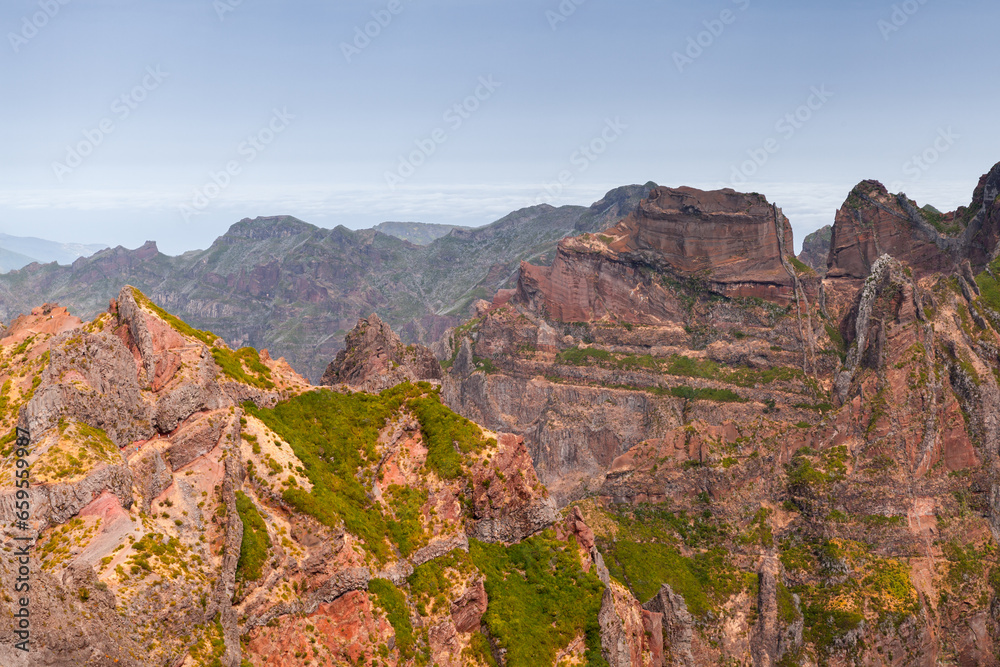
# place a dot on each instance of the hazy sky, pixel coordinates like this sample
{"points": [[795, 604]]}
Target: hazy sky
{"points": [[128, 120]]}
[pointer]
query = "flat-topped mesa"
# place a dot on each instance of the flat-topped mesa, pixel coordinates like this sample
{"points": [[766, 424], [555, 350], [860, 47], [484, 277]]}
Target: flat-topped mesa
{"points": [[374, 359], [873, 222], [733, 244]]}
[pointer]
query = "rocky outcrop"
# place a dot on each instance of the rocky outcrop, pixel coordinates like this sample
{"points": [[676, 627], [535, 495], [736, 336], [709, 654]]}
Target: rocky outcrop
{"points": [[733, 244], [628, 631], [468, 610], [873, 222], [91, 377], [509, 503], [677, 624], [766, 639], [374, 359], [816, 249], [982, 233]]}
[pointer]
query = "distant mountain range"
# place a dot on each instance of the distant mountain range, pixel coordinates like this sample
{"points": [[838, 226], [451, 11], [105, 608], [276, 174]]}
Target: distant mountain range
{"points": [[19, 251], [418, 233], [296, 289]]}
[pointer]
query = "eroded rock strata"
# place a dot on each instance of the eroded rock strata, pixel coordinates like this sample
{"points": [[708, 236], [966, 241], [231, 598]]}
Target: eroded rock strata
{"points": [[808, 469], [684, 450]]}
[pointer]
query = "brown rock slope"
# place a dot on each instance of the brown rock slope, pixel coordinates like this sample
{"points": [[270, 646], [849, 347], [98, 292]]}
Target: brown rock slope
{"points": [[782, 481]]}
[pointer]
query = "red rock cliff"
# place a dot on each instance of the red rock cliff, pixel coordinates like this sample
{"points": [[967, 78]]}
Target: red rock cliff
{"points": [[729, 242]]}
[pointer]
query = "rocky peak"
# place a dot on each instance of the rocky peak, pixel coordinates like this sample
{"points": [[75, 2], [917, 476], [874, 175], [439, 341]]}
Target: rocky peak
{"points": [[816, 249], [614, 206], [733, 244], [982, 235], [873, 222], [374, 358], [263, 228], [730, 237]]}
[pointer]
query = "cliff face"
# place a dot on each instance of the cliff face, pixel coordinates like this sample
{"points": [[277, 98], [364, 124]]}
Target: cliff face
{"points": [[796, 479], [732, 243]]}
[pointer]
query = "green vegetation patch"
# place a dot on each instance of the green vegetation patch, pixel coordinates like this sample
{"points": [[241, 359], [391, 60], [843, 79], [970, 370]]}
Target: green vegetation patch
{"points": [[407, 529], [990, 292], [212, 647], [786, 605], [810, 472], [856, 584], [430, 582], [243, 365], [479, 649], [173, 556], [335, 436], [447, 435], [540, 599], [79, 449], [704, 581], [256, 542], [645, 555], [698, 394], [938, 221], [801, 267], [392, 600], [680, 365]]}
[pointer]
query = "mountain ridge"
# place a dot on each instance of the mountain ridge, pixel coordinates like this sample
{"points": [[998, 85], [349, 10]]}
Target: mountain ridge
{"points": [[284, 284]]}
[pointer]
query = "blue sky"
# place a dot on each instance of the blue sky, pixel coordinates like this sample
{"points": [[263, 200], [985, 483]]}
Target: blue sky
{"points": [[128, 120]]}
